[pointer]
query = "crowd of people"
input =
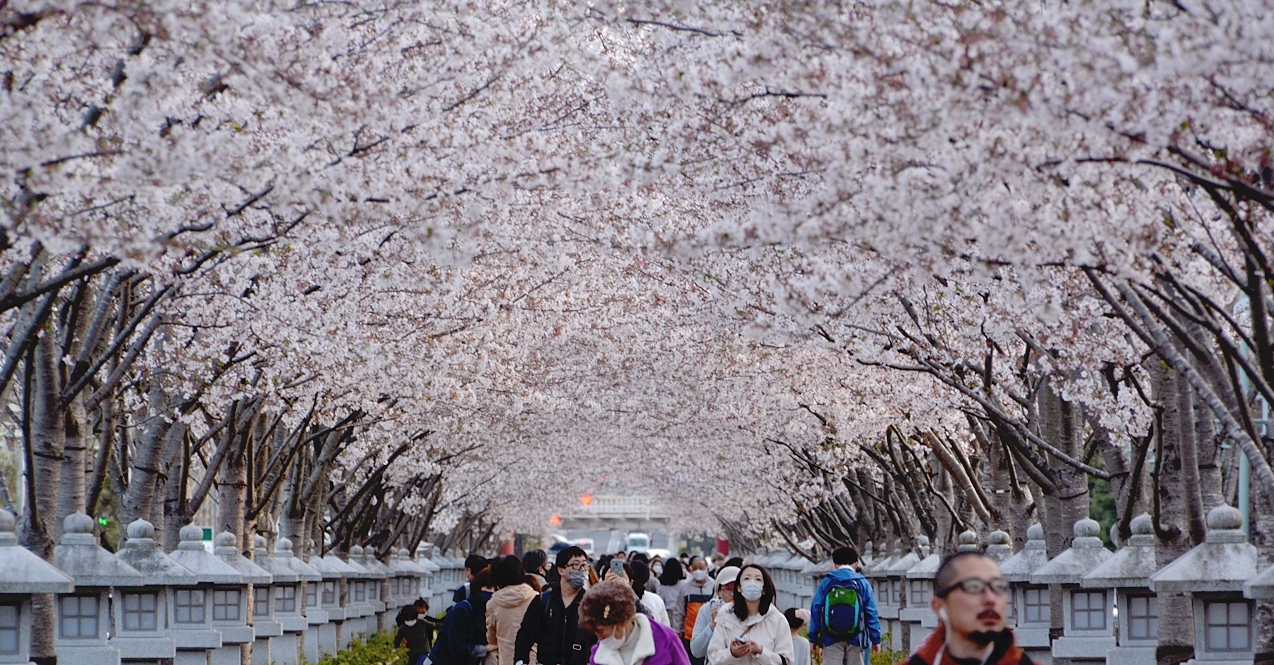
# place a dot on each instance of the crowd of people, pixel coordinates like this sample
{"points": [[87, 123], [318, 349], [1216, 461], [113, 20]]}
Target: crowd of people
{"points": [[631, 609]]}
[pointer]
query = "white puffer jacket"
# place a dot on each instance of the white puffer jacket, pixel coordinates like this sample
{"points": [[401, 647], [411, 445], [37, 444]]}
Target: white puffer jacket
{"points": [[770, 630]]}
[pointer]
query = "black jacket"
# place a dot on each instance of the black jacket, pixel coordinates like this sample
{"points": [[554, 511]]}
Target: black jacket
{"points": [[416, 637], [554, 629], [464, 628]]}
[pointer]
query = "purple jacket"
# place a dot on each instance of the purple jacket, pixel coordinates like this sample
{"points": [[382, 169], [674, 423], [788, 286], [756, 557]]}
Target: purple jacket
{"points": [[668, 648]]}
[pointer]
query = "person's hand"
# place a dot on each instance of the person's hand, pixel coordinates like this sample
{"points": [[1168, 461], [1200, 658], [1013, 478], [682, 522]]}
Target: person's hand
{"points": [[739, 649], [610, 575], [755, 649], [875, 648]]}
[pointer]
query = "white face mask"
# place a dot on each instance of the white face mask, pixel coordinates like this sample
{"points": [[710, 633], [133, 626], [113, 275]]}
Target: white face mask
{"points": [[657, 570], [410, 622], [614, 642], [752, 590], [700, 575]]}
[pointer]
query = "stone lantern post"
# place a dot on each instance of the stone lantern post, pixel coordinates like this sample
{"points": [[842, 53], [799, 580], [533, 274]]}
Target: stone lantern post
{"points": [[1087, 617], [22, 575], [898, 628], [218, 605], [84, 615], [357, 608], [332, 636], [1031, 609], [1128, 575], [287, 607], [918, 585], [886, 604], [430, 586], [404, 586], [1213, 573], [377, 586], [143, 630], [304, 616], [260, 599]]}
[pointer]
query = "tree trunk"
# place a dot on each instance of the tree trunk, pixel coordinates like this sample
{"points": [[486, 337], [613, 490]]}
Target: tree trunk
{"points": [[48, 440], [135, 503], [78, 439], [1061, 424], [232, 486], [1172, 521]]}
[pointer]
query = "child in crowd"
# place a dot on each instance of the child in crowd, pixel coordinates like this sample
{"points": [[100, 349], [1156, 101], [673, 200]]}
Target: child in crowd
{"points": [[797, 618]]}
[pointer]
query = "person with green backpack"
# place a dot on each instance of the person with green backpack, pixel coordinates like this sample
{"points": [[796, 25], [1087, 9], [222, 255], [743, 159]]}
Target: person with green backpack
{"points": [[844, 621]]}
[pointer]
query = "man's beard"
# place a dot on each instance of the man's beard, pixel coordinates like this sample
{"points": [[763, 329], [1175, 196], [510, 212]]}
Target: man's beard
{"points": [[984, 637]]}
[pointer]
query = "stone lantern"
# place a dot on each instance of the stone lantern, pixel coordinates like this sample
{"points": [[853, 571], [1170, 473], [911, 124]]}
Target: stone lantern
{"points": [[1128, 575], [263, 627], [22, 574], [886, 605], [1086, 611], [1213, 573], [271, 644], [145, 612], [431, 585], [898, 593], [918, 584], [377, 585], [999, 547], [404, 587], [232, 607], [358, 609], [84, 615], [217, 606], [1030, 602], [302, 617], [330, 595]]}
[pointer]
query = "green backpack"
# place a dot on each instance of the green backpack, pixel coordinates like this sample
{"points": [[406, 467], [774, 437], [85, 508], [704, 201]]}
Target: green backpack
{"points": [[843, 611]]}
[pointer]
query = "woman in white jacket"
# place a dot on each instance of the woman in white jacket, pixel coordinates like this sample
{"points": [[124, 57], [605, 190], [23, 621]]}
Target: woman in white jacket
{"points": [[751, 631]]}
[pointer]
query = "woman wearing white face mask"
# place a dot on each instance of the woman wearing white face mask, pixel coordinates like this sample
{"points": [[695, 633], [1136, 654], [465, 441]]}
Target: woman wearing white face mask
{"points": [[624, 637], [751, 631]]}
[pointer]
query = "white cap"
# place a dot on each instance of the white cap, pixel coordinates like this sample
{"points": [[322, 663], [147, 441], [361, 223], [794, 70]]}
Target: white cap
{"points": [[728, 575]]}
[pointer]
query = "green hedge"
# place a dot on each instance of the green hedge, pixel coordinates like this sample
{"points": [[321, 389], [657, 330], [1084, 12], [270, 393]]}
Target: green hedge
{"points": [[373, 649]]}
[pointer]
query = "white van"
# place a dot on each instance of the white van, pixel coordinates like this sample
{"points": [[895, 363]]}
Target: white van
{"points": [[638, 542]]}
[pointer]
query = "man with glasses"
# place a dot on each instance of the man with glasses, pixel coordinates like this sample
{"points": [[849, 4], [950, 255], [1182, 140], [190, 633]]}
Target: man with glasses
{"points": [[971, 600], [551, 623]]}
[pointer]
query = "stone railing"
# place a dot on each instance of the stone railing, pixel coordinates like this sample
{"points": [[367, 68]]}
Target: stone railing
{"points": [[191, 606], [1097, 586]]}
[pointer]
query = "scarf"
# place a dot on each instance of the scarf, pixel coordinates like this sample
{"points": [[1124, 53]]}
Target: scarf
{"points": [[932, 651]]}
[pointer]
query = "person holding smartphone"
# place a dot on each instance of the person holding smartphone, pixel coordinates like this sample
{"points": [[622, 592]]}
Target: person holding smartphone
{"points": [[751, 630]]}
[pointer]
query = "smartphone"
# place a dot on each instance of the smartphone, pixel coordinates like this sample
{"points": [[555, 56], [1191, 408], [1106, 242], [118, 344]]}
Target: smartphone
{"points": [[617, 567], [740, 640]]}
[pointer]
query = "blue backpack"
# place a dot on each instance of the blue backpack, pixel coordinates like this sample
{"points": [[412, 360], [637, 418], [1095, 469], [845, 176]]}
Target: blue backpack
{"points": [[843, 609]]}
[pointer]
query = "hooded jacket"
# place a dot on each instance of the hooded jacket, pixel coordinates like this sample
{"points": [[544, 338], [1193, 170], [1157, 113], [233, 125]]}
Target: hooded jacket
{"points": [[1006, 651], [504, 617], [656, 645], [870, 633], [553, 628], [770, 630]]}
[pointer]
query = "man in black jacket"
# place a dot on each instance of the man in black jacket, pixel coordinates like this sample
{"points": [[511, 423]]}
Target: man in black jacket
{"points": [[551, 622]]}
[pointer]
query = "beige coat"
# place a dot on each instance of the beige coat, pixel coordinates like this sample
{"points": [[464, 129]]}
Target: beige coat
{"points": [[504, 616]]}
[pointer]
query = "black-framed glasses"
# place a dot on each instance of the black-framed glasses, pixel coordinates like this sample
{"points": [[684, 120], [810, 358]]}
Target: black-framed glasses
{"points": [[975, 586], [577, 567]]}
